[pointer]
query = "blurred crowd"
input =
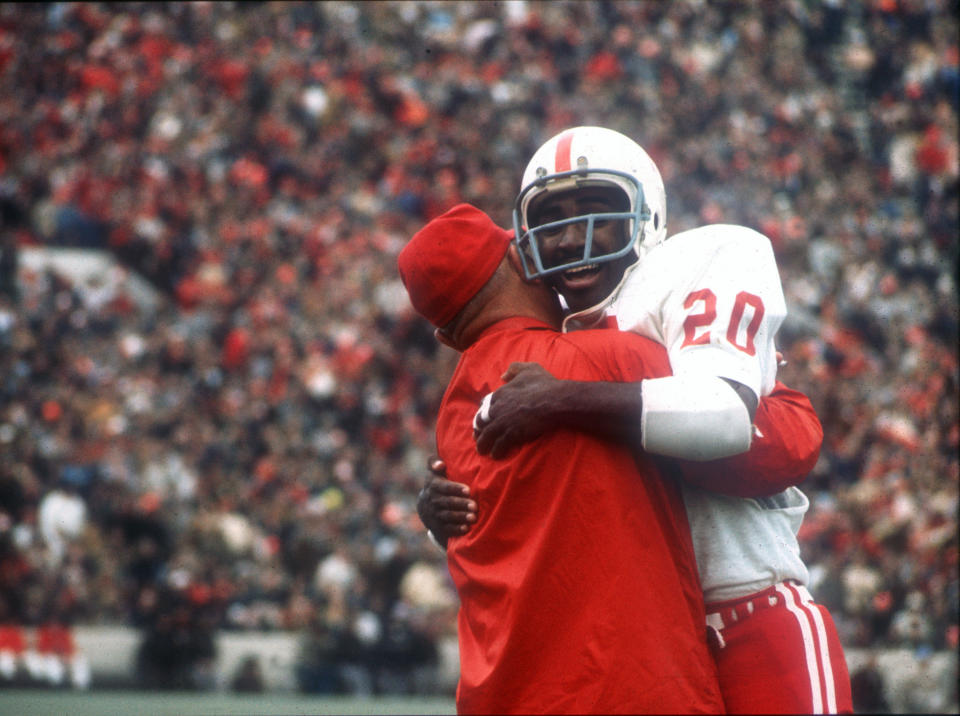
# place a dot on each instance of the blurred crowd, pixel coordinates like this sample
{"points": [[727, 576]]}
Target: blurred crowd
{"points": [[246, 453]]}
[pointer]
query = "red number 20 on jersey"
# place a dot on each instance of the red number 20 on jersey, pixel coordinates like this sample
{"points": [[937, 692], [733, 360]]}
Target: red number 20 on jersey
{"points": [[708, 315]]}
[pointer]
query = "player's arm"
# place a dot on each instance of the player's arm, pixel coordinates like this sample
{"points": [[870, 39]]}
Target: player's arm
{"points": [[533, 402], [702, 419], [444, 506]]}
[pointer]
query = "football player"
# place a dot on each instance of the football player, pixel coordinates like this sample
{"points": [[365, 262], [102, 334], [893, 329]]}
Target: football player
{"points": [[590, 220]]}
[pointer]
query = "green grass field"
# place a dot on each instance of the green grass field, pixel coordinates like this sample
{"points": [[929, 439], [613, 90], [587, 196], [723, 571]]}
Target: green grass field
{"points": [[136, 703]]}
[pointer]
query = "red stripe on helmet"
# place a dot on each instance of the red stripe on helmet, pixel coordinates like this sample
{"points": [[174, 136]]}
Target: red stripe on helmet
{"points": [[562, 159]]}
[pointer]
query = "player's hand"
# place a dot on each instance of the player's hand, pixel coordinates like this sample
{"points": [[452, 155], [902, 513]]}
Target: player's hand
{"points": [[445, 507], [518, 412]]}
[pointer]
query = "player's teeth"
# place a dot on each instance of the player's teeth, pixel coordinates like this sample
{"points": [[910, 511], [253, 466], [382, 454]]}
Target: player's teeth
{"points": [[581, 269]]}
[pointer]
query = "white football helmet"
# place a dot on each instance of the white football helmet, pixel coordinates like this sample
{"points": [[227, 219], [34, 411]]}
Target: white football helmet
{"points": [[590, 156]]}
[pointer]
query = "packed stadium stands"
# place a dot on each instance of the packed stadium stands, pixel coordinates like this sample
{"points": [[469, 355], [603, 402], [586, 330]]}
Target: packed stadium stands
{"points": [[243, 450]]}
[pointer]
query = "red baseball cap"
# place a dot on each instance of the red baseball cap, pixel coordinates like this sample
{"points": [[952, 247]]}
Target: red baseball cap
{"points": [[449, 260]]}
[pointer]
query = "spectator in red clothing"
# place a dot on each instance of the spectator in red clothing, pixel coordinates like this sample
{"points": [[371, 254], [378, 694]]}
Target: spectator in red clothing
{"points": [[13, 647], [55, 658]]}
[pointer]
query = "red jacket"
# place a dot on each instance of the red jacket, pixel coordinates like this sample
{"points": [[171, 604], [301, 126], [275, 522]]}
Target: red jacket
{"points": [[578, 584]]}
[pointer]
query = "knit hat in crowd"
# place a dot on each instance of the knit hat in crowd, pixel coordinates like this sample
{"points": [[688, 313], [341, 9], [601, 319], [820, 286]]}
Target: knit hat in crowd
{"points": [[449, 260]]}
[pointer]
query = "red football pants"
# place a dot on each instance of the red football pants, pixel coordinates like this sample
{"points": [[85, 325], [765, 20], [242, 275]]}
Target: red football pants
{"points": [[779, 653]]}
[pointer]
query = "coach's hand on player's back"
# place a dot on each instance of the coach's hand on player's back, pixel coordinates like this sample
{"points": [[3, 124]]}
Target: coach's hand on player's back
{"points": [[521, 410], [445, 507]]}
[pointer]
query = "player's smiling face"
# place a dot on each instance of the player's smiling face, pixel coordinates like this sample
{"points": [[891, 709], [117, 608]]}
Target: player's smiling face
{"points": [[584, 286]]}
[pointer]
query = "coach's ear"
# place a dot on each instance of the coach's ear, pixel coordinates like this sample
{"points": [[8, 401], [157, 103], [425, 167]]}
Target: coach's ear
{"points": [[513, 255]]}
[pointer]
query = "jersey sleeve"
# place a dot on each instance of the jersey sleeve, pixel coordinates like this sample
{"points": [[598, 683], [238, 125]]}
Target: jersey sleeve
{"points": [[784, 450], [722, 305]]}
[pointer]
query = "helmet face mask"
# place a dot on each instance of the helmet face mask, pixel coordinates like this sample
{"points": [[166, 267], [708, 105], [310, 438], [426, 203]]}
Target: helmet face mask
{"points": [[531, 240], [570, 164]]}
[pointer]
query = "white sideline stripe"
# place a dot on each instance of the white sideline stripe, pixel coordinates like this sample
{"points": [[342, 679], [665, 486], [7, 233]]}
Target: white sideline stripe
{"points": [[807, 600], [809, 649]]}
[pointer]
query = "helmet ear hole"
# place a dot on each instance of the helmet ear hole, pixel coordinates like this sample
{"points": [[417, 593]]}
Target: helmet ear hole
{"points": [[656, 221]]}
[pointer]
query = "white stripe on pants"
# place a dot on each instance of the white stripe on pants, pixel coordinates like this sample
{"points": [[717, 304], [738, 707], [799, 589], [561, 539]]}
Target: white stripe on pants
{"points": [[816, 647]]}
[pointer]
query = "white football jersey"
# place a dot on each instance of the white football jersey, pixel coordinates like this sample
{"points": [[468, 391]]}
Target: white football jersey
{"points": [[712, 297]]}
